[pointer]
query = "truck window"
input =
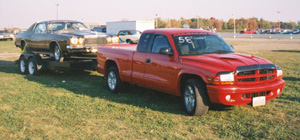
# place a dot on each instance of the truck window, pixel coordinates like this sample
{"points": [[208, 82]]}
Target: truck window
{"points": [[144, 42], [159, 42]]}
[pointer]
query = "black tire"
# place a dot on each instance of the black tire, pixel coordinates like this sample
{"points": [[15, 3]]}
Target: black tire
{"points": [[23, 65], [195, 98], [129, 41], [58, 54], [32, 66], [113, 79]]}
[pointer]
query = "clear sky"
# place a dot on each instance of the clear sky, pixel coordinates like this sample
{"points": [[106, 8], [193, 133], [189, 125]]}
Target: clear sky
{"points": [[23, 13]]}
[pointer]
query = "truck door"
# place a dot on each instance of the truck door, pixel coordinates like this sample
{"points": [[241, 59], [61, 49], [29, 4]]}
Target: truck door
{"points": [[139, 59], [160, 69]]}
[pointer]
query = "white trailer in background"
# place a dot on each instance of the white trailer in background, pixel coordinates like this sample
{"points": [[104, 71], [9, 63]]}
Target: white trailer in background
{"points": [[114, 27]]}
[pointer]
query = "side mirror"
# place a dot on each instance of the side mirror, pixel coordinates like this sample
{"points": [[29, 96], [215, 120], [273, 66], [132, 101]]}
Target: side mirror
{"points": [[231, 46], [166, 50]]}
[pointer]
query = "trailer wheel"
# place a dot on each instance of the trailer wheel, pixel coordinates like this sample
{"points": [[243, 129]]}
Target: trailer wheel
{"points": [[32, 67], [22, 65], [57, 53], [129, 41], [196, 101], [113, 79]]}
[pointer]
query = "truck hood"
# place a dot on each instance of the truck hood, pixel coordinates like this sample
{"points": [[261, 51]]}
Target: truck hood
{"points": [[86, 34], [224, 62]]}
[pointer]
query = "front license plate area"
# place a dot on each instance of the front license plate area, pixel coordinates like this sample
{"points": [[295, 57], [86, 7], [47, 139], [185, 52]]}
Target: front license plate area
{"points": [[258, 101]]}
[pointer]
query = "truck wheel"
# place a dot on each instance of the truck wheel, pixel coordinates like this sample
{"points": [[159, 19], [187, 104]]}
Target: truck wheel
{"points": [[196, 101], [22, 65], [57, 53], [113, 80], [32, 66]]}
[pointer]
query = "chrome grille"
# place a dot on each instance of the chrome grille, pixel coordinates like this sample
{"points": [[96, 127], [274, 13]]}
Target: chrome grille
{"points": [[95, 41]]}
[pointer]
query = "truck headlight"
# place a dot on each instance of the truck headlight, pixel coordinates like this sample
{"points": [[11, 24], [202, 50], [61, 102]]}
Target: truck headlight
{"points": [[279, 74], [223, 78]]}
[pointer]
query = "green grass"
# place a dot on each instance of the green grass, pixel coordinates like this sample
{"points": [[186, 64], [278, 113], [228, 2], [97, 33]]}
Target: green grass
{"points": [[44, 107]]}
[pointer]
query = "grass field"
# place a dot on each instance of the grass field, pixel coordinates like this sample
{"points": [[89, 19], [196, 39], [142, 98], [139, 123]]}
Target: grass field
{"points": [[44, 107]]}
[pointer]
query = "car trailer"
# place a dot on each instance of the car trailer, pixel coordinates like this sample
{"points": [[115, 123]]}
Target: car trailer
{"points": [[34, 63]]}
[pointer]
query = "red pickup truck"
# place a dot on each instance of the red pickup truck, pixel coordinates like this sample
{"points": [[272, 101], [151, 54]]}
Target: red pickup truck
{"points": [[194, 64]]}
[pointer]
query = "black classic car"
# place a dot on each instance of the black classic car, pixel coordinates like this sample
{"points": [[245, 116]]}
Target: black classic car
{"points": [[62, 39]]}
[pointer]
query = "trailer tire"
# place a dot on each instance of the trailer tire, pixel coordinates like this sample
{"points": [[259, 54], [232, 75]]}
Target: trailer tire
{"points": [[195, 98], [32, 66], [129, 41], [113, 79], [23, 65]]}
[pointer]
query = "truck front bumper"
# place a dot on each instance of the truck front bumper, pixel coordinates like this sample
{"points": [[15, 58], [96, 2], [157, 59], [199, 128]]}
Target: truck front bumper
{"points": [[242, 95]]}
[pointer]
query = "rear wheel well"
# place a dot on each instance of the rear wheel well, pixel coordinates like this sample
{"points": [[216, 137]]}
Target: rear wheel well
{"points": [[185, 77]]}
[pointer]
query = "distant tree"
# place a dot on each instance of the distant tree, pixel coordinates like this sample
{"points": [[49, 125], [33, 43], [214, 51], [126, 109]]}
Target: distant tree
{"points": [[161, 23], [225, 26]]}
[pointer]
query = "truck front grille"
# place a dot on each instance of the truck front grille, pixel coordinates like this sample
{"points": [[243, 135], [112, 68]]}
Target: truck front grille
{"points": [[255, 74]]}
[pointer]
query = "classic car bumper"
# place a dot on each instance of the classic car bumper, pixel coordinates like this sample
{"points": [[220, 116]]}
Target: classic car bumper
{"points": [[242, 95], [83, 49]]}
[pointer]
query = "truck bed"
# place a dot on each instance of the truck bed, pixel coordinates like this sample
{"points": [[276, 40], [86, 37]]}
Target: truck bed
{"points": [[121, 54]]}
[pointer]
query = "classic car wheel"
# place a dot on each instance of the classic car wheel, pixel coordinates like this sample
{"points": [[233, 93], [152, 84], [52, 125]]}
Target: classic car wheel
{"points": [[113, 80], [32, 67], [57, 53], [195, 97], [22, 65]]}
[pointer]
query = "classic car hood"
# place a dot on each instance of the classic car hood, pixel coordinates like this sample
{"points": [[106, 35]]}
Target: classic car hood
{"points": [[225, 62], [87, 34]]}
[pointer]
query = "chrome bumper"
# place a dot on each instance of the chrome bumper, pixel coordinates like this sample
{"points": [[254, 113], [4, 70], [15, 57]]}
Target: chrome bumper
{"points": [[82, 49]]}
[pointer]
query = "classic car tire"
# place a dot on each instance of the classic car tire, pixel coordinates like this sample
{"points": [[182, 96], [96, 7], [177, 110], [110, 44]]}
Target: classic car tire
{"points": [[23, 65], [57, 54], [32, 66], [195, 98], [113, 79]]}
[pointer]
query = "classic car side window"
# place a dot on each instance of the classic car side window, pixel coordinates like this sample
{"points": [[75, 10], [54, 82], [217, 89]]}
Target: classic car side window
{"points": [[30, 29], [159, 42], [40, 28]]}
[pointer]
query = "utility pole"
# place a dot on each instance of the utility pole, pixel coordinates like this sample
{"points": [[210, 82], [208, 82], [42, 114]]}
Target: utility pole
{"points": [[156, 24], [198, 22], [233, 24], [57, 11], [278, 12]]}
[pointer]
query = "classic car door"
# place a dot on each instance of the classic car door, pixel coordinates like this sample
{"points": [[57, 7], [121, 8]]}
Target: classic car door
{"points": [[161, 69], [38, 38]]}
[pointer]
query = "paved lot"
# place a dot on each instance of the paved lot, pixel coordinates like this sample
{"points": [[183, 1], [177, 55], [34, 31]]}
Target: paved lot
{"points": [[242, 44]]}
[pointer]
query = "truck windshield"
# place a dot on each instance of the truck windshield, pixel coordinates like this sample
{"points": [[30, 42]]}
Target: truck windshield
{"points": [[195, 44]]}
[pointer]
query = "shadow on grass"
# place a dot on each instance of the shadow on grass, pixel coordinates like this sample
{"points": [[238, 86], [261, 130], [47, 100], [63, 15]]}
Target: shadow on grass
{"points": [[92, 84], [291, 79], [292, 51]]}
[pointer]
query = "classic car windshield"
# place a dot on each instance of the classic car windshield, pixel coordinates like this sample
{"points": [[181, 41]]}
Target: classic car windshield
{"points": [[198, 44], [58, 26]]}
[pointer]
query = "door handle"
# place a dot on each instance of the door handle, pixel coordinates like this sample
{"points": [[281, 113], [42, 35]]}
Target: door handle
{"points": [[148, 60]]}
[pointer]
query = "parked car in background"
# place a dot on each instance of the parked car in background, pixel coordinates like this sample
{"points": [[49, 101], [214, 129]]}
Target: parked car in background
{"points": [[130, 36], [6, 35], [296, 31], [62, 39], [99, 29], [248, 32]]}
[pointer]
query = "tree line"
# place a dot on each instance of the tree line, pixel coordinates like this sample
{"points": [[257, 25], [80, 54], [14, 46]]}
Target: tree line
{"points": [[240, 24]]}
